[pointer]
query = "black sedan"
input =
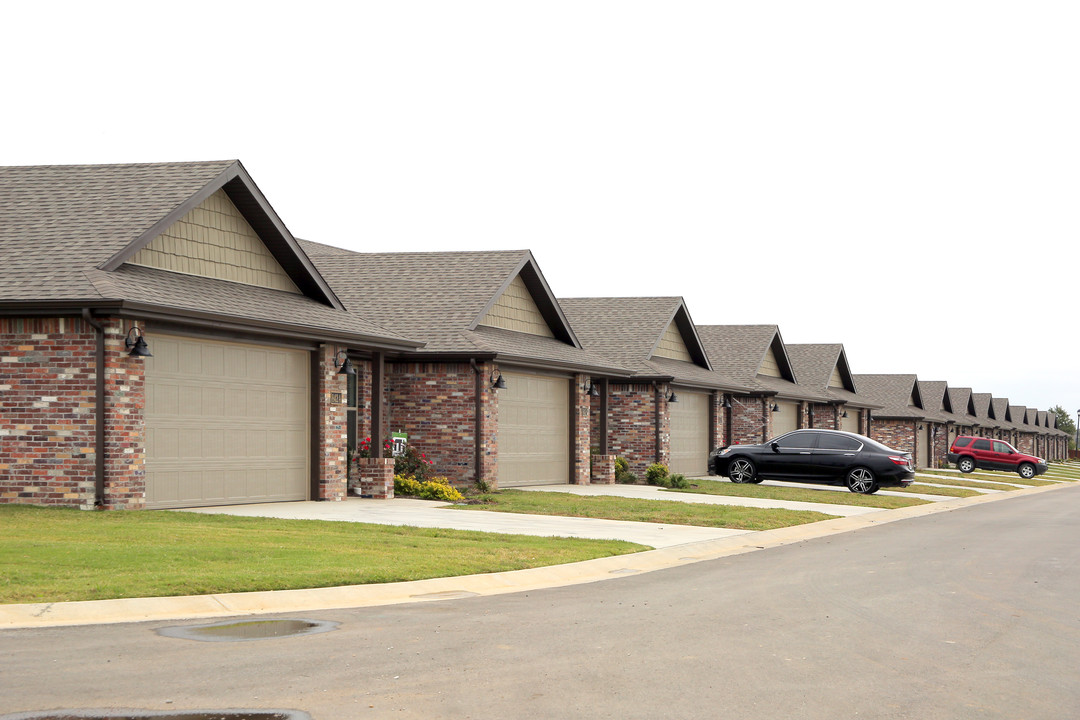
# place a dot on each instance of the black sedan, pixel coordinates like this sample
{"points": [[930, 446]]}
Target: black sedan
{"points": [[817, 456]]}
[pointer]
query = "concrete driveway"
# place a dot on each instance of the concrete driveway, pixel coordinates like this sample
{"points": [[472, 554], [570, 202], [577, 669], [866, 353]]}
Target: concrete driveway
{"points": [[434, 514]]}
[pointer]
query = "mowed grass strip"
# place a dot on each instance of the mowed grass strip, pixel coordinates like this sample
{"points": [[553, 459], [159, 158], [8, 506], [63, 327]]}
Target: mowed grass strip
{"points": [[670, 512], [995, 476], [799, 494], [53, 555], [931, 489], [942, 480]]}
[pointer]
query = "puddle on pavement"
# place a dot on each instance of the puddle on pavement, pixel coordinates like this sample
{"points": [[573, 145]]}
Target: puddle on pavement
{"points": [[161, 715], [247, 630]]}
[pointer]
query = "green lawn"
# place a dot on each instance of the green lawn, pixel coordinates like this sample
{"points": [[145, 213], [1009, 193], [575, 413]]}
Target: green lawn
{"points": [[993, 476], [655, 511], [960, 482], [53, 555], [931, 489], [800, 494]]}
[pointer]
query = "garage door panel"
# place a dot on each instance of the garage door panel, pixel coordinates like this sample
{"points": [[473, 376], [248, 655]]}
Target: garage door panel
{"points": [[218, 435], [787, 419], [851, 422], [534, 436], [689, 425]]}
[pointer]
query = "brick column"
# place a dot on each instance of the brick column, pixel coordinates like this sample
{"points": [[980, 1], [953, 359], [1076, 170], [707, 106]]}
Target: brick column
{"points": [[603, 470], [663, 424], [125, 420], [332, 438], [376, 477], [581, 430]]}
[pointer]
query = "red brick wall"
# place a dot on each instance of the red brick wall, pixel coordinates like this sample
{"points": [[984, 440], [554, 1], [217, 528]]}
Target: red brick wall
{"points": [[825, 416], [47, 419], [631, 424], [750, 423], [435, 403], [939, 448], [580, 428], [48, 414], [331, 393], [897, 434]]}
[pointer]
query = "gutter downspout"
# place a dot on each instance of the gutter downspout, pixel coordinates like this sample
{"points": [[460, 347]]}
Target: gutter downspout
{"points": [[478, 459], [99, 409], [656, 419]]}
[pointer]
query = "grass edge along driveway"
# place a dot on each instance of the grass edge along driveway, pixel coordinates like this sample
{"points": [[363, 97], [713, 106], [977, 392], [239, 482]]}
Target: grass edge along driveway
{"points": [[63, 554], [670, 512]]}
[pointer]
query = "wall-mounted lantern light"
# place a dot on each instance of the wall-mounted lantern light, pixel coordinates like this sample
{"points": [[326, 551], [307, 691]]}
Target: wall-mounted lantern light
{"points": [[844, 415], [345, 365], [497, 383], [592, 390], [775, 408], [136, 343], [672, 398], [727, 403]]}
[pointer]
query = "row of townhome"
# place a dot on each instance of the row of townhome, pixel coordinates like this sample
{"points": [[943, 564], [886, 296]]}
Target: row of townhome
{"points": [[166, 342]]}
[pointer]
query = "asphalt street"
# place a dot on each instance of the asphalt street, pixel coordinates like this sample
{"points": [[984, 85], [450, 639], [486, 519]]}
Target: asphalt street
{"points": [[970, 613]]}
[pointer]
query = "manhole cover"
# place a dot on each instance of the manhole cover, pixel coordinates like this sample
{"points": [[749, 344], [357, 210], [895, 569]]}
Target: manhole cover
{"points": [[248, 630], [161, 715]]}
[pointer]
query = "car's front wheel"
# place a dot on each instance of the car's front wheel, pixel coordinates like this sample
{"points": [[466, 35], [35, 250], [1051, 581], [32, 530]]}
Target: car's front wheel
{"points": [[966, 465], [742, 470], [1026, 470], [860, 480]]}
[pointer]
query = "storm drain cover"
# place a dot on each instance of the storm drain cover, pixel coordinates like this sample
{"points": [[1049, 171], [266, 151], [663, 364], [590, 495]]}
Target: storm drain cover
{"points": [[161, 715], [247, 630]]}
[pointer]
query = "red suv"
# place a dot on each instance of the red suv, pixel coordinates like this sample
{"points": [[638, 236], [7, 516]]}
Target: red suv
{"points": [[968, 452]]}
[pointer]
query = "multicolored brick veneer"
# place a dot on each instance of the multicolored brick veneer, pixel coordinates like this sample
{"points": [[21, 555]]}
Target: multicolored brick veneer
{"points": [[633, 410]]}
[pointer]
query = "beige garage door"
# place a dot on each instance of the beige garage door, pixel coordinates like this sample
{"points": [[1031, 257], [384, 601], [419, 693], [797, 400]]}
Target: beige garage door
{"points": [[786, 419], [225, 423], [534, 430], [690, 433], [923, 438], [851, 422]]}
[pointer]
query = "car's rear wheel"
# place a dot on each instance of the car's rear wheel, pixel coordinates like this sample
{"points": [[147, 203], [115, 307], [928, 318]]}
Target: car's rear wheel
{"points": [[1026, 470], [966, 465], [861, 480], [742, 470]]}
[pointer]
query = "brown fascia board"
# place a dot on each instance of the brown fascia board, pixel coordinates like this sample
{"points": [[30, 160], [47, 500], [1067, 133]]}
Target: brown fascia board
{"points": [[122, 308], [782, 356], [538, 288], [255, 208], [682, 320]]}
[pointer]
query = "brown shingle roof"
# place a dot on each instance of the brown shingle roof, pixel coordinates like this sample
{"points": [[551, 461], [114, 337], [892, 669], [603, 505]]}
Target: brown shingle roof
{"points": [[894, 393], [627, 331], [439, 297], [61, 225], [814, 364], [737, 351]]}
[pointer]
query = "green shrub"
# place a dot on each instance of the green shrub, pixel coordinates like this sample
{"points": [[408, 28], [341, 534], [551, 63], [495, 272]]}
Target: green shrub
{"points": [[678, 480], [622, 465], [656, 474], [438, 488], [626, 478]]}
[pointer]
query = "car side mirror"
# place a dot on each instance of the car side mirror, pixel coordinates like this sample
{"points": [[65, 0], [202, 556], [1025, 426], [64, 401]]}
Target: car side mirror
{"points": [[775, 447]]}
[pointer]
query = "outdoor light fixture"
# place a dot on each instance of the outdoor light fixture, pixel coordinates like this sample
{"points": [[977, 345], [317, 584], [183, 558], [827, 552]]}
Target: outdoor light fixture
{"points": [[672, 398], [775, 408], [920, 427], [727, 404], [593, 391], [345, 365], [497, 383], [136, 343], [844, 415]]}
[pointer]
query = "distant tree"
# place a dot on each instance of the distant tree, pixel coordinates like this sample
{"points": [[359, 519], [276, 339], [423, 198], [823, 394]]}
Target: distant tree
{"points": [[1065, 422]]}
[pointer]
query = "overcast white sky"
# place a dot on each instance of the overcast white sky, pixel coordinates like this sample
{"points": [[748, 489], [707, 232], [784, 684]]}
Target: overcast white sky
{"points": [[858, 172]]}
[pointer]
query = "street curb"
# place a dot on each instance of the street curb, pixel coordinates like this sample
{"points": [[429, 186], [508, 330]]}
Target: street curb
{"points": [[98, 612]]}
